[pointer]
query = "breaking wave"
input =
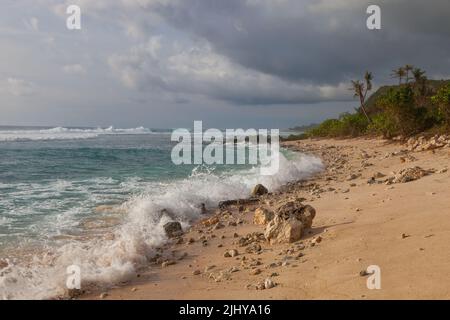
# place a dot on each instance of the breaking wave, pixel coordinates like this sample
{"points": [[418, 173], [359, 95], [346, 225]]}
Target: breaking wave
{"points": [[61, 133], [106, 261]]}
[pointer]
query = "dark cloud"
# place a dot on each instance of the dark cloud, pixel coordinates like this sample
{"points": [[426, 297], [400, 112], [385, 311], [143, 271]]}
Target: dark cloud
{"points": [[324, 42]]}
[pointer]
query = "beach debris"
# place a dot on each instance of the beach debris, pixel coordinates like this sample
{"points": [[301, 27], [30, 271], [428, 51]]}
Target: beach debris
{"points": [[262, 216], [364, 273], [259, 190], [196, 272], [238, 202], [173, 229], [404, 236]]}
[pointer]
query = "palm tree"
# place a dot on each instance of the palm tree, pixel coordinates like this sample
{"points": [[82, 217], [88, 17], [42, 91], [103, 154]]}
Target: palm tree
{"points": [[408, 68], [420, 81], [399, 73], [418, 74], [361, 89]]}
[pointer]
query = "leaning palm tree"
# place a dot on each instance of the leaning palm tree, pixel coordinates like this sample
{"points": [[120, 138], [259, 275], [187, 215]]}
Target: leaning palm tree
{"points": [[361, 89], [399, 73], [408, 68]]}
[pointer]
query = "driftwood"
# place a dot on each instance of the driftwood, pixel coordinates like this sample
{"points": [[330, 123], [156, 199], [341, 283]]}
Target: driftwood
{"points": [[227, 203]]}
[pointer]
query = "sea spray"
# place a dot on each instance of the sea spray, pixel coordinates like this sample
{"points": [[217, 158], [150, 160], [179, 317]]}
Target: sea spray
{"points": [[108, 260]]}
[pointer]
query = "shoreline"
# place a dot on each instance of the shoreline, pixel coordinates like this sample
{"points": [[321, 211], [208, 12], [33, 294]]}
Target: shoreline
{"points": [[359, 223]]}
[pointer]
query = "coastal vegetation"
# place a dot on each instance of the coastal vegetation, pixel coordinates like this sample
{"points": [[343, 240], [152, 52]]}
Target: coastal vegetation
{"points": [[416, 105]]}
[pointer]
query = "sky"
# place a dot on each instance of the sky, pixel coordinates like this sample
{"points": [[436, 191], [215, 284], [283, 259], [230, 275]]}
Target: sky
{"points": [[229, 63]]}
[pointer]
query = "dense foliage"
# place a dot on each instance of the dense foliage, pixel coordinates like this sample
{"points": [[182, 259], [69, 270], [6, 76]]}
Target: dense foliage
{"points": [[406, 109]]}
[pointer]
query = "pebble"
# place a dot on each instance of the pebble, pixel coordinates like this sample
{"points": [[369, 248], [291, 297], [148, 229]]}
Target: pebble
{"points": [[268, 283]]}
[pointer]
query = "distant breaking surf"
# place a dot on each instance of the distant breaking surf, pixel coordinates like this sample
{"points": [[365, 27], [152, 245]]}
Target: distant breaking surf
{"points": [[61, 133]]}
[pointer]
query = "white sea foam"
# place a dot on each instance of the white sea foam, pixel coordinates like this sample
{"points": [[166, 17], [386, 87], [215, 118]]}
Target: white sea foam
{"points": [[61, 133], [106, 262]]}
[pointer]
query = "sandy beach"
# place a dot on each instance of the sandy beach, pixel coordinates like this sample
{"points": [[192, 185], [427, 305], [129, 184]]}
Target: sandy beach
{"points": [[361, 220]]}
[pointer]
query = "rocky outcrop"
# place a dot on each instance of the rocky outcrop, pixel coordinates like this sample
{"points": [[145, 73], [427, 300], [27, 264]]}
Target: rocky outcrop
{"points": [[304, 213], [289, 223], [259, 190], [262, 216], [423, 144], [410, 174], [173, 229], [280, 230]]}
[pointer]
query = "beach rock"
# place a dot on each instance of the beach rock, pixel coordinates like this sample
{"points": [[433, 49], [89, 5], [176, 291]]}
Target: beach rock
{"points": [[378, 175], [218, 226], [410, 174], [167, 263], [253, 248], [173, 229], [259, 190], [262, 216], [3, 264], [304, 213], [210, 222], [268, 284], [290, 220], [255, 272], [352, 177], [281, 230], [203, 209], [74, 293]]}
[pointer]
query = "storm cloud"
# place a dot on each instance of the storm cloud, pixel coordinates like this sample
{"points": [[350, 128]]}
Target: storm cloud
{"points": [[181, 58]]}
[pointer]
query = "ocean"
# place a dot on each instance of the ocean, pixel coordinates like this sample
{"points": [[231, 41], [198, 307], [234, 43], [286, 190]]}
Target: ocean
{"points": [[93, 197]]}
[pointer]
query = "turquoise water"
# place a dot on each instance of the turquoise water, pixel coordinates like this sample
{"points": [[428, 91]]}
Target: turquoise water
{"points": [[46, 181], [93, 197]]}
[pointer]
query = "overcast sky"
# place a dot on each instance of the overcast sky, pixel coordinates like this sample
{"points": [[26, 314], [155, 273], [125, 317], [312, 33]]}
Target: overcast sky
{"points": [[230, 63]]}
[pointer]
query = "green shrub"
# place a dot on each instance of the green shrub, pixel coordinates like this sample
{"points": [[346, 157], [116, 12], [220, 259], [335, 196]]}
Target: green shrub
{"points": [[348, 125], [442, 101], [401, 116], [382, 124]]}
